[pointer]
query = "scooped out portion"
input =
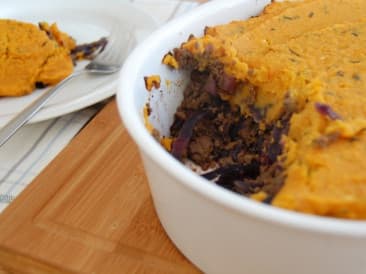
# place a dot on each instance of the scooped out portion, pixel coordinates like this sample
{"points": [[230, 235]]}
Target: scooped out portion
{"points": [[275, 106], [34, 56]]}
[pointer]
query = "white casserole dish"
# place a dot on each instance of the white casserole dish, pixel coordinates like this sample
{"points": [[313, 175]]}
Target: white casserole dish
{"points": [[220, 231]]}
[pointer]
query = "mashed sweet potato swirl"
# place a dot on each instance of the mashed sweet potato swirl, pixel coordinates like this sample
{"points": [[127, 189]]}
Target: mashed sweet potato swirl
{"points": [[28, 56]]}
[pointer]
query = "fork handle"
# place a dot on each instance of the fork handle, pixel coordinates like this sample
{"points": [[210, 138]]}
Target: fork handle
{"points": [[26, 114]]}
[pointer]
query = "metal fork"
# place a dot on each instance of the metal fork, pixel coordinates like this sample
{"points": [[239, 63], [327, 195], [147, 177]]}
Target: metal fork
{"points": [[106, 62]]}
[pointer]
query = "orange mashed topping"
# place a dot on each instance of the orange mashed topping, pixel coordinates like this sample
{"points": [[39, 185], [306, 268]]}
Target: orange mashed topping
{"points": [[310, 52], [28, 55], [152, 81]]}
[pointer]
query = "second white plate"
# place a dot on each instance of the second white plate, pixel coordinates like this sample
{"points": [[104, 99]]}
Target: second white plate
{"points": [[86, 21]]}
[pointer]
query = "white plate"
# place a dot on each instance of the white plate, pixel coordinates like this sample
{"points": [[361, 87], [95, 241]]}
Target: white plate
{"points": [[86, 21]]}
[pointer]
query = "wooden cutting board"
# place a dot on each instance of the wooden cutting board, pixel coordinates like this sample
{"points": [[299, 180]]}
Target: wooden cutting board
{"points": [[89, 211]]}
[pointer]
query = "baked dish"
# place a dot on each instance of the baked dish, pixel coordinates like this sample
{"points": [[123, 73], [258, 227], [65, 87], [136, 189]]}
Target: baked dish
{"points": [[275, 107], [37, 56]]}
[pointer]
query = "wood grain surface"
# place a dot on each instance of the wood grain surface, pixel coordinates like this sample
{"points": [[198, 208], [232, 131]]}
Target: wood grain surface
{"points": [[89, 211]]}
